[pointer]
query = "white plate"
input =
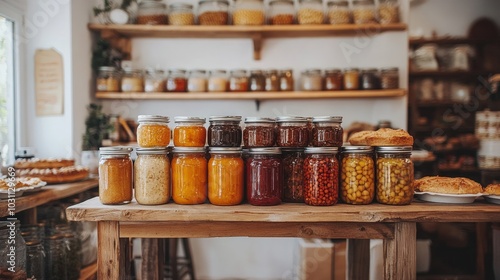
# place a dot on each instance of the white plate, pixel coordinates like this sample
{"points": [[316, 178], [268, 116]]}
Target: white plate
{"points": [[447, 198], [4, 194], [493, 198]]}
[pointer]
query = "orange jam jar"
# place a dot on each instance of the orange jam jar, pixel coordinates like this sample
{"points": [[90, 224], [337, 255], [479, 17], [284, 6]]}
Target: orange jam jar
{"points": [[115, 175], [189, 132], [153, 131], [225, 176], [189, 175]]}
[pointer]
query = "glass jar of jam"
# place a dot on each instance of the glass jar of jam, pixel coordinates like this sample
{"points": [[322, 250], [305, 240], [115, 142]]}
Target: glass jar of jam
{"points": [[310, 12], [213, 12], [152, 176], [292, 132], [363, 11], [176, 81], [224, 131], [389, 78], [388, 11], [180, 14], [286, 80], [108, 79], [311, 80], [189, 175], [256, 82], [217, 82], [259, 132], [249, 12], [115, 175], [333, 79], [281, 12], [238, 81], [357, 184], [327, 131], [351, 79], [225, 176], [154, 81], [370, 79], [394, 175], [132, 80], [197, 81], [153, 131], [293, 174], [272, 82], [189, 132], [321, 176], [151, 12], [338, 12], [264, 176]]}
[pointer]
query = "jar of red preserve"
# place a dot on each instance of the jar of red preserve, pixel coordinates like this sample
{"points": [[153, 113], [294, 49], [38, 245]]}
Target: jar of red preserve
{"points": [[321, 176], [264, 176]]}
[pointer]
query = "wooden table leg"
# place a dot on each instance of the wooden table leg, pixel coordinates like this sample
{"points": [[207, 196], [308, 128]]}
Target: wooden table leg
{"points": [[108, 255], [358, 259], [152, 258], [400, 253]]}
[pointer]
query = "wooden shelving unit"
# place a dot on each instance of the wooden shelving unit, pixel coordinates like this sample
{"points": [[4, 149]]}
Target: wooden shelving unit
{"points": [[452, 41]]}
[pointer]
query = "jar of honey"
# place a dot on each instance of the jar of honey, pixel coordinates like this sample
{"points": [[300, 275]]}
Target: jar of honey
{"points": [[152, 176], [259, 132], [153, 131], [224, 131], [115, 175], [189, 132], [264, 176], [225, 176], [108, 79], [176, 81], [189, 175], [321, 176]]}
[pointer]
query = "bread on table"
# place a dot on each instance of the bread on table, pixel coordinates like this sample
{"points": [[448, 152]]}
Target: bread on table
{"points": [[382, 137], [492, 189], [447, 185]]}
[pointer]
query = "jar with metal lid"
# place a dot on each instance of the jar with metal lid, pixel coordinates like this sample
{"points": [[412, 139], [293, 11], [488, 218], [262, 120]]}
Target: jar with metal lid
{"points": [[176, 81], [108, 79], [238, 81], [12, 244], [272, 82], [310, 12], [132, 80], [35, 259], [153, 131], [281, 12], [217, 81], [357, 181], [363, 11], [333, 79], [339, 12], [152, 12], [115, 175], [190, 132], [389, 78], [73, 256], [248, 12], [394, 175], [224, 131], [55, 261], [292, 132], [388, 11], [225, 176], [321, 176], [327, 131], [36, 231], [256, 81], [154, 81], [189, 175], [213, 12], [286, 80], [293, 174], [311, 80], [369, 79], [180, 14], [152, 176], [259, 132], [351, 79], [264, 176], [197, 81]]}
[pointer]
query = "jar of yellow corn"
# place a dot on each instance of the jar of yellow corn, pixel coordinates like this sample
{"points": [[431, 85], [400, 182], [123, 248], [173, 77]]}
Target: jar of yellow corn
{"points": [[394, 175], [357, 185]]}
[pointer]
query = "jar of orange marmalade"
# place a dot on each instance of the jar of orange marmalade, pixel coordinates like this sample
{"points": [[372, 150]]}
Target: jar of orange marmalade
{"points": [[189, 175], [189, 132], [115, 175], [225, 176], [153, 131]]}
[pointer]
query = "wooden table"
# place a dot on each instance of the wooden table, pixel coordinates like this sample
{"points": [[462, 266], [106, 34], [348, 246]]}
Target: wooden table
{"points": [[396, 225]]}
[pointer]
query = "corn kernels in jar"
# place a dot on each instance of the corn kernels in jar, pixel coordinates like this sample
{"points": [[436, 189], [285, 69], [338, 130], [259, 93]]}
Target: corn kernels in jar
{"points": [[153, 131], [181, 14], [357, 181], [394, 175]]}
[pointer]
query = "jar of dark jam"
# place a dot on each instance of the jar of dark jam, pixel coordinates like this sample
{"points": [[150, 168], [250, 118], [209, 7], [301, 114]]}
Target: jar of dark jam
{"points": [[224, 131], [272, 82], [327, 131], [259, 132], [333, 79], [264, 176], [286, 80], [369, 79], [389, 78], [321, 176], [256, 82], [292, 132], [293, 174], [177, 81]]}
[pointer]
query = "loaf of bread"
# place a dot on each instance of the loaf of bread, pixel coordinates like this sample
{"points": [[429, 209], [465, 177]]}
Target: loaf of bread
{"points": [[492, 189], [447, 185], [382, 137], [43, 163]]}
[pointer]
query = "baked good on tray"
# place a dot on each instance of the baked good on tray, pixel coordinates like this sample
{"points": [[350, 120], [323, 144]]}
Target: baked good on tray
{"points": [[382, 137], [447, 185], [19, 182], [43, 163], [56, 175], [492, 189]]}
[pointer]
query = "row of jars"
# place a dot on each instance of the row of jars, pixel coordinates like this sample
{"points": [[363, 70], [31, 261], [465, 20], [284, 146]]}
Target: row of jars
{"points": [[279, 12], [318, 176]]}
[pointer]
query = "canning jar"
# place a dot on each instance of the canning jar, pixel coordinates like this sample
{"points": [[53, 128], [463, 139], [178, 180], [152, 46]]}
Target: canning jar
{"points": [[35, 259], [213, 12], [217, 82], [394, 175], [225, 176], [311, 80], [286, 80], [292, 132], [238, 81], [271, 80], [389, 78], [224, 131], [154, 81], [357, 184], [310, 12], [256, 81], [132, 80], [73, 248], [363, 11], [108, 79], [264, 176], [338, 12], [180, 14], [388, 11], [369, 79], [327, 131], [151, 12], [197, 81], [10, 234], [259, 132], [321, 176], [293, 174], [333, 79], [189, 175], [115, 175], [248, 12], [152, 176], [281, 12], [176, 81], [189, 132], [351, 78], [55, 264], [153, 131]]}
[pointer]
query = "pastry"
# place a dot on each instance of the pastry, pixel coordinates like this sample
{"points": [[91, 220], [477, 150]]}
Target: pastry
{"points": [[21, 182], [382, 137], [43, 163], [359, 138], [56, 175], [447, 185], [492, 189]]}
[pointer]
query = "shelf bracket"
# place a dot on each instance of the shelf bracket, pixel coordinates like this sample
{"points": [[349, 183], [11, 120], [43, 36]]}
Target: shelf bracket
{"points": [[257, 104], [119, 42], [257, 45]]}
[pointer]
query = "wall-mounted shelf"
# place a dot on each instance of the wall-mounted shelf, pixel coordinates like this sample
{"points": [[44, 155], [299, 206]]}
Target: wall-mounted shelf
{"points": [[452, 41]]}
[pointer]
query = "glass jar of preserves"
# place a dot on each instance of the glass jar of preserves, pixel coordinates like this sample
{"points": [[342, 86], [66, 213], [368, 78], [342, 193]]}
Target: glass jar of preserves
{"points": [[286, 80], [248, 12], [225, 176], [224, 131], [357, 184], [388, 11], [35, 259], [55, 264], [10, 235], [217, 82], [108, 79], [327, 131], [256, 81], [73, 249], [293, 174], [292, 132], [264, 176], [369, 79], [281, 12], [363, 11], [271, 80], [338, 12], [132, 80], [152, 176], [189, 175], [190, 132], [311, 80], [333, 79], [152, 12], [115, 175], [197, 81], [394, 175], [321, 176], [310, 12], [238, 81], [154, 81], [176, 81], [213, 12], [351, 79], [153, 131], [259, 132], [180, 14], [389, 78]]}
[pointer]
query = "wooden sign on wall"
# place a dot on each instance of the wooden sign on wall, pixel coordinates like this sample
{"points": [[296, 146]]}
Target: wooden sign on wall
{"points": [[49, 83]]}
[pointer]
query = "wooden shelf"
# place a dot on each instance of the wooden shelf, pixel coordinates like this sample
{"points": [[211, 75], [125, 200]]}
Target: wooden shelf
{"points": [[452, 41], [450, 74]]}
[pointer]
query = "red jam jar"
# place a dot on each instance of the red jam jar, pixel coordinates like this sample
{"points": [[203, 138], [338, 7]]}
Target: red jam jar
{"points": [[321, 176], [224, 131], [259, 132], [293, 174], [327, 131], [292, 132], [177, 81], [264, 176]]}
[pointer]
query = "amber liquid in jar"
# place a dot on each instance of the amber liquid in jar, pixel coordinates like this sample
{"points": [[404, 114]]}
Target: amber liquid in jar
{"points": [[152, 176], [351, 79], [115, 176], [224, 131], [264, 177], [357, 184], [153, 131], [189, 176], [321, 176], [394, 175], [225, 176], [292, 132], [333, 79], [259, 132], [293, 173], [327, 132], [190, 132]]}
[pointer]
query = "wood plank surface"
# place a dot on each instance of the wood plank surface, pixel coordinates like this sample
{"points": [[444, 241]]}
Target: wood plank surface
{"points": [[358, 259], [108, 251], [400, 253]]}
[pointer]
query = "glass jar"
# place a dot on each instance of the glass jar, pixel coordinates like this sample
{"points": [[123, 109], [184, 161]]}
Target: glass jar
{"points": [[357, 175], [108, 79], [281, 12], [180, 14], [189, 175], [363, 11], [154, 81], [286, 80], [151, 12], [389, 78], [311, 80], [152, 176], [256, 82], [292, 132], [327, 131], [272, 82], [321, 176], [310, 12], [132, 80], [238, 81], [369, 79], [351, 79], [225, 176], [333, 79], [55, 261], [176, 81], [224, 131], [264, 176], [35, 260], [394, 175], [338, 12], [259, 132], [213, 12], [115, 175], [190, 132], [197, 81], [388, 11], [153, 131], [217, 82], [33, 231], [73, 256], [12, 244], [248, 12], [293, 174]]}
